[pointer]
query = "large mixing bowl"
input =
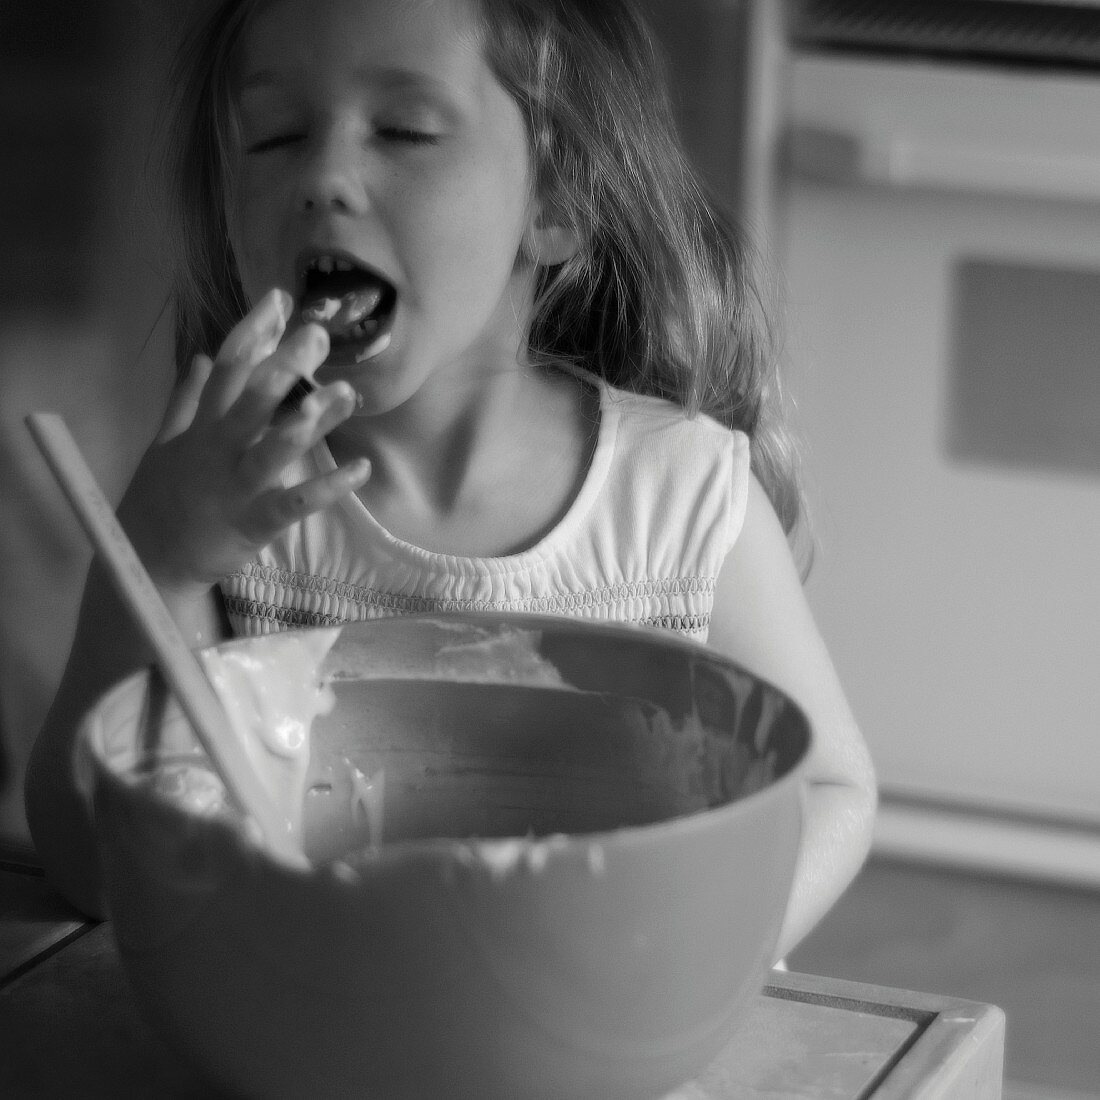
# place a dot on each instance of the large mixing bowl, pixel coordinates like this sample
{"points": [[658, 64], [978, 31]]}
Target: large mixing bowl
{"points": [[588, 841]]}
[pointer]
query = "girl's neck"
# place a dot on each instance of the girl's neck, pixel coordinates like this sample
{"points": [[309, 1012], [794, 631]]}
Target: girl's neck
{"points": [[481, 472]]}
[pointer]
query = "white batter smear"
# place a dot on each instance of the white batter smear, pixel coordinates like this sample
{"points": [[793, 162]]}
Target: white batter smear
{"points": [[272, 703]]}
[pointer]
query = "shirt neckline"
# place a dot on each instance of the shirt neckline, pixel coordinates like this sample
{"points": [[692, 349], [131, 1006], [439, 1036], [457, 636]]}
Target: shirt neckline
{"points": [[594, 480]]}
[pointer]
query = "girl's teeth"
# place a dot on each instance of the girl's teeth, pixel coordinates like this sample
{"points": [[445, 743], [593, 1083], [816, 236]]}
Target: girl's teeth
{"points": [[326, 265]]}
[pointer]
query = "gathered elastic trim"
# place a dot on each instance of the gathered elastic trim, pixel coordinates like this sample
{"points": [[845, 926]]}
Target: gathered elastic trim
{"points": [[260, 617], [682, 624], [367, 596]]}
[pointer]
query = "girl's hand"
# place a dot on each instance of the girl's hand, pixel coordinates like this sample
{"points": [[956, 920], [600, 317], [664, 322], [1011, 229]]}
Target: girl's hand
{"points": [[208, 493]]}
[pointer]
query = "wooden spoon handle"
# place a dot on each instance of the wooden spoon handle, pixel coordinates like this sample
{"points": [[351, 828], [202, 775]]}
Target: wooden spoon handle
{"points": [[177, 662]]}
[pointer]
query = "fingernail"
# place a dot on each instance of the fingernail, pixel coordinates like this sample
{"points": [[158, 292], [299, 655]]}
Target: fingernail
{"points": [[283, 304], [359, 470]]}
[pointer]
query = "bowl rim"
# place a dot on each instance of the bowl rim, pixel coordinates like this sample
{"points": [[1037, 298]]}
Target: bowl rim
{"points": [[458, 849]]}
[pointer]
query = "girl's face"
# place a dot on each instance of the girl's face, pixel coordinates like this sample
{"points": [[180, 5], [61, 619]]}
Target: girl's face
{"points": [[374, 135]]}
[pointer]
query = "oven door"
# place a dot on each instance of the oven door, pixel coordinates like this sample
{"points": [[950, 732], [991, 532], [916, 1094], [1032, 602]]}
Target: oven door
{"points": [[939, 236]]}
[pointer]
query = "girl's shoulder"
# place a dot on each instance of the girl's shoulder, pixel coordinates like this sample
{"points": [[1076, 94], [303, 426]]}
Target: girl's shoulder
{"points": [[677, 485], [681, 463], [645, 417]]}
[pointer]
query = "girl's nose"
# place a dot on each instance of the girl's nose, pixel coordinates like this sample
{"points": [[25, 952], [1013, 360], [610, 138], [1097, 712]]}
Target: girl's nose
{"points": [[333, 178]]}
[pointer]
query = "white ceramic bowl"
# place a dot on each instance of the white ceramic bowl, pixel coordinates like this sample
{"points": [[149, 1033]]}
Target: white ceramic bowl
{"points": [[589, 841]]}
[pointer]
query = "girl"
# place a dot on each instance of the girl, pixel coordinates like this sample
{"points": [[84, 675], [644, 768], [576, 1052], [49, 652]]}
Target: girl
{"points": [[538, 380]]}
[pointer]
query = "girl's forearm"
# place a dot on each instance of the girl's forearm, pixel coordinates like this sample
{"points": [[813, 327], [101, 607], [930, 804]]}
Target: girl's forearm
{"points": [[836, 836], [106, 648]]}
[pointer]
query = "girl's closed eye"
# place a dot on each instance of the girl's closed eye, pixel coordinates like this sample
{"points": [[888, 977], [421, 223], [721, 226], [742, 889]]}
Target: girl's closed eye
{"points": [[276, 141], [401, 134], [410, 122], [408, 135], [268, 121]]}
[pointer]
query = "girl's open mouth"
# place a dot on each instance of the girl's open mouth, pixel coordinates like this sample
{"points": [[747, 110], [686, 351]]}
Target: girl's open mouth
{"points": [[353, 304]]}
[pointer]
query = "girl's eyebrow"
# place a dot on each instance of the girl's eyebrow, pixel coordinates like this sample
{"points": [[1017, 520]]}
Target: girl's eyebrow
{"points": [[389, 78]]}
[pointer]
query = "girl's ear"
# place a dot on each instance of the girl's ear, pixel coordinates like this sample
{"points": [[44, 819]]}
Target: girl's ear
{"points": [[548, 241]]}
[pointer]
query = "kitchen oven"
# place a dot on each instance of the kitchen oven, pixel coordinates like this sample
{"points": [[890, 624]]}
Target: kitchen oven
{"points": [[936, 218]]}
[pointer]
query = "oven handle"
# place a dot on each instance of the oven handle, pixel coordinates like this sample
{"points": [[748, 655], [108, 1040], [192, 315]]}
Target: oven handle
{"points": [[842, 158]]}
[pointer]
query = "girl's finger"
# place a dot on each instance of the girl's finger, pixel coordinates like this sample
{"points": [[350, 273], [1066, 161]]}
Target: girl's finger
{"points": [[252, 340], [299, 355], [294, 434], [185, 398], [278, 508]]}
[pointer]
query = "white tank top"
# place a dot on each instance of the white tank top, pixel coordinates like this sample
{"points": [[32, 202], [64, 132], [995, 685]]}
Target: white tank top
{"points": [[643, 541]]}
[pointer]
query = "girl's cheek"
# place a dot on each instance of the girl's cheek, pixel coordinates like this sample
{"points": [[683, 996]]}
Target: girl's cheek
{"points": [[253, 282], [250, 241]]}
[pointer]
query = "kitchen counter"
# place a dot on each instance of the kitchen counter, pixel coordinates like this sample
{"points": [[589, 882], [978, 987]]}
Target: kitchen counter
{"points": [[71, 1027]]}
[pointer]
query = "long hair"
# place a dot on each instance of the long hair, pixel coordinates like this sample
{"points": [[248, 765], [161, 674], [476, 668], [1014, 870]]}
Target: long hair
{"points": [[200, 152], [663, 297]]}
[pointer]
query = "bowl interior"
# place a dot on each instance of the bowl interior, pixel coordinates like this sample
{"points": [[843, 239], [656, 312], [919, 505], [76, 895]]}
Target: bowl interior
{"points": [[477, 726]]}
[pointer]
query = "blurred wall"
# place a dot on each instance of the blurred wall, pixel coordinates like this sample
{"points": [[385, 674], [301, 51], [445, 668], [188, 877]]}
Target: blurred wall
{"points": [[943, 343], [81, 331]]}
